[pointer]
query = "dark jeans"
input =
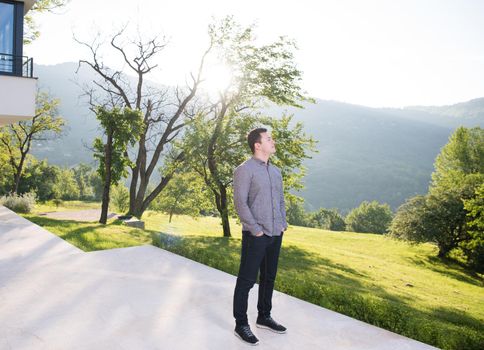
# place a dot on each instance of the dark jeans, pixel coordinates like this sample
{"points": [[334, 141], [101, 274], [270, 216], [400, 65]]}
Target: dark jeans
{"points": [[258, 253]]}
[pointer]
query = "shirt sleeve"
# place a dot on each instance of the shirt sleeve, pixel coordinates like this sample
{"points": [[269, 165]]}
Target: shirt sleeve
{"points": [[242, 180], [283, 209]]}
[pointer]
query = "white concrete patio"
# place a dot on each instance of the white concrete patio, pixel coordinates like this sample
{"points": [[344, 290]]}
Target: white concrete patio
{"points": [[55, 296]]}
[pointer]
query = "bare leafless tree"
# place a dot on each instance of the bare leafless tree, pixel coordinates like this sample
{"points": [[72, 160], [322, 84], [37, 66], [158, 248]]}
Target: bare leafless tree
{"points": [[165, 110]]}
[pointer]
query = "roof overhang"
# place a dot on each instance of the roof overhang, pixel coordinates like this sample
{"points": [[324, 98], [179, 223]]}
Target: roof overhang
{"points": [[27, 4]]}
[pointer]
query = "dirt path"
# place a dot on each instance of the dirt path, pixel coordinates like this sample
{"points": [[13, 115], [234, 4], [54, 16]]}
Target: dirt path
{"points": [[80, 215]]}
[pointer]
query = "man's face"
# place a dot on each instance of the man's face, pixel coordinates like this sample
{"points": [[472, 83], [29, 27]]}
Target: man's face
{"points": [[267, 145]]}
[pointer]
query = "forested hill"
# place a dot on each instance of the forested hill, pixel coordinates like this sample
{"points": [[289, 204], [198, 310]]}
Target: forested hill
{"points": [[62, 82], [364, 153]]}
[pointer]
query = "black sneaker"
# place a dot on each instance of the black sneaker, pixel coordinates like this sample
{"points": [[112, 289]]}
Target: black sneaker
{"points": [[246, 335], [269, 323]]}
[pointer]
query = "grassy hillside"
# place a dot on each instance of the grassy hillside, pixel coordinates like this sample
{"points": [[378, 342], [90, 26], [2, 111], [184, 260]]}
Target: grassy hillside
{"points": [[388, 283]]}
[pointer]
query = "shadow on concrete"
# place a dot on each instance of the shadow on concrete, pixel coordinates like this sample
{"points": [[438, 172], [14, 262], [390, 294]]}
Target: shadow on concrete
{"points": [[318, 280]]}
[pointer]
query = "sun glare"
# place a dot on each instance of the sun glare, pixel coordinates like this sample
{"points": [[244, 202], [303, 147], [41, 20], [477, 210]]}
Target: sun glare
{"points": [[218, 78]]}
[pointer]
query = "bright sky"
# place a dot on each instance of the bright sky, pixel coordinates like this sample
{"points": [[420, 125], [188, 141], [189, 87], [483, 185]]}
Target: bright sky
{"points": [[379, 53]]}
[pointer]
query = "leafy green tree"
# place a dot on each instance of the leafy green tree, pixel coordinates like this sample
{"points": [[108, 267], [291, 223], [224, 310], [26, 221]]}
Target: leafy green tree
{"points": [[230, 151], [186, 194], [327, 219], [414, 221], [41, 178], [295, 213], [82, 173], [461, 156], [16, 139], [293, 147], [447, 206], [441, 216], [121, 127], [66, 186], [369, 217], [459, 171], [473, 246], [5, 170], [97, 185], [438, 217], [260, 73]]}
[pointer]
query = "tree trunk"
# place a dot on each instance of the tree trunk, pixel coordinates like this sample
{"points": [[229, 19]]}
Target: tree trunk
{"points": [[16, 181], [136, 172], [225, 212], [442, 253], [18, 173], [138, 209], [221, 201], [221, 194], [443, 250], [172, 209], [107, 180], [141, 202], [132, 189]]}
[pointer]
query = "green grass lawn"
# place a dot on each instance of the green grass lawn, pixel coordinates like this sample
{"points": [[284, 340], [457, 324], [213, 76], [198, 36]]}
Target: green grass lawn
{"points": [[391, 284]]}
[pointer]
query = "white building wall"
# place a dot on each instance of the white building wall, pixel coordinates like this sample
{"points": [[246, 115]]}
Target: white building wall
{"points": [[17, 98]]}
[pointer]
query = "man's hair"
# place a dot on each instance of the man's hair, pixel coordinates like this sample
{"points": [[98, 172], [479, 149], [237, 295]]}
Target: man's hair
{"points": [[254, 136]]}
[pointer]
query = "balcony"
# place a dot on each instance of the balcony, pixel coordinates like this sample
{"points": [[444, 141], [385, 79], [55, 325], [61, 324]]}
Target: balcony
{"points": [[17, 89], [19, 66]]}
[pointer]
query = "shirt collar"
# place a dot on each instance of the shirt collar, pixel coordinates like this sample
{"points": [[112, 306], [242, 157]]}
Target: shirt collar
{"points": [[259, 161]]}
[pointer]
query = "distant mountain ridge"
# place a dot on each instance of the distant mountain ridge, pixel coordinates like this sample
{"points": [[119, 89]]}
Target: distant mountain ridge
{"points": [[470, 111], [365, 153]]}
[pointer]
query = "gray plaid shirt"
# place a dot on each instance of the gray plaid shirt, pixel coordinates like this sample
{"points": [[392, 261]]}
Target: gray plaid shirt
{"points": [[259, 197]]}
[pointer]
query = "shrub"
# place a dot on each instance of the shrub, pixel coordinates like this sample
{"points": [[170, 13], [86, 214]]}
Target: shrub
{"points": [[23, 203], [369, 217], [327, 219], [120, 198]]}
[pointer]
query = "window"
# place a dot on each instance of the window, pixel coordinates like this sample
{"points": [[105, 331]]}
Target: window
{"points": [[6, 28], [7, 31]]}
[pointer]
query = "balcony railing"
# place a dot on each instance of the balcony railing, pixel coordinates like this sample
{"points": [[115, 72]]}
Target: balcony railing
{"points": [[20, 66]]}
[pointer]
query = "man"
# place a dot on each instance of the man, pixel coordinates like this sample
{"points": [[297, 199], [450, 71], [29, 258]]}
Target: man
{"points": [[259, 201]]}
